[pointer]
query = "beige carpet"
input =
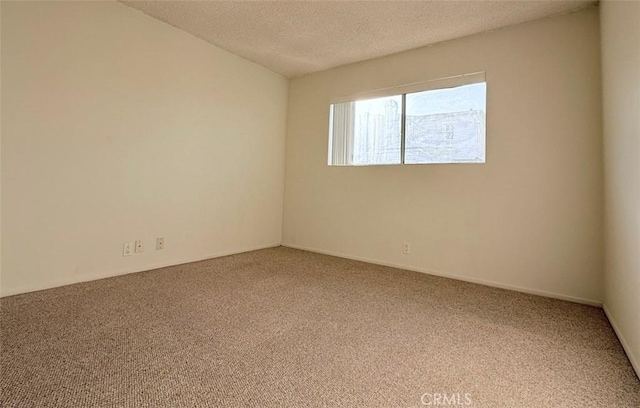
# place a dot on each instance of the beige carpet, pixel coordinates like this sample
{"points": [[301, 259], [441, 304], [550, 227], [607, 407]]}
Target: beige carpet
{"points": [[287, 328]]}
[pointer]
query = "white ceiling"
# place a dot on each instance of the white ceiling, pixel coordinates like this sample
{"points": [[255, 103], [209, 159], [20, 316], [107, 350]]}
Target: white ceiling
{"points": [[299, 37]]}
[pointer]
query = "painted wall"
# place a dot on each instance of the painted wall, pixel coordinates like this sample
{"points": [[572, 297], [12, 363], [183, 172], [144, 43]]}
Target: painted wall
{"points": [[530, 218], [621, 103], [0, 147], [117, 127]]}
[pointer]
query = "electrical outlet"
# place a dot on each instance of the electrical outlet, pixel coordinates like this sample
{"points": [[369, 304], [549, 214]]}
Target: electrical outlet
{"points": [[127, 249], [406, 248], [159, 243], [139, 246]]}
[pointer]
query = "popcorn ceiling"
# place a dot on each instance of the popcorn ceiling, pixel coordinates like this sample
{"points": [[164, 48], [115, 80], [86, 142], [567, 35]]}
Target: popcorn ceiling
{"points": [[295, 38]]}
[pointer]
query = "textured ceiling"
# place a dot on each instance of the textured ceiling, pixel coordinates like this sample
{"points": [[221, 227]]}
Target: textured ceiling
{"points": [[299, 37]]}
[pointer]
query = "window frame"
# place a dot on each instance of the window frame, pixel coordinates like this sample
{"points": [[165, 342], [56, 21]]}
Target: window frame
{"points": [[403, 90]]}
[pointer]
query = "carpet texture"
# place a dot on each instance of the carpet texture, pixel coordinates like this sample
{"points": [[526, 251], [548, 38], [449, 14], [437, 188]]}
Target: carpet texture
{"points": [[288, 328]]}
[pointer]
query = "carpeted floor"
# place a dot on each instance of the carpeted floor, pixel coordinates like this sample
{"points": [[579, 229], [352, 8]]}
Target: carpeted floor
{"points": [[288, 328]]}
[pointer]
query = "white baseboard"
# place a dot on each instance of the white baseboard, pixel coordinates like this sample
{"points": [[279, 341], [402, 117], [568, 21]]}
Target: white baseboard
{"points": [[111, 274], [494, 284], [635, 363]]}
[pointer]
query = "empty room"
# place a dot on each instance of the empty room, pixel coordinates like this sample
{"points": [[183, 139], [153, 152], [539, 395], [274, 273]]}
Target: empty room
{"points": [[320, 203]]}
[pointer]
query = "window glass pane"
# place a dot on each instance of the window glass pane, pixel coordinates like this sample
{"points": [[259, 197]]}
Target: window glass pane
{"points": [[376, 133], [446, 125]]}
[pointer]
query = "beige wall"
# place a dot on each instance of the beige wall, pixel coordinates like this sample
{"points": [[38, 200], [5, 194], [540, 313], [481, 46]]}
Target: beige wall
{"points": [[117, 127], [530, 218], [0, 148], [621, 100]]}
